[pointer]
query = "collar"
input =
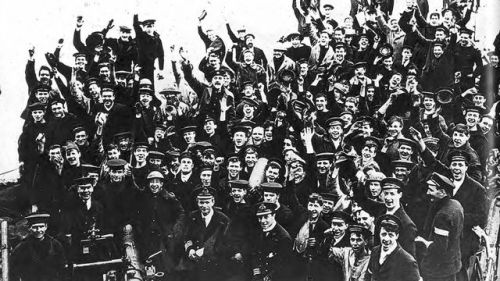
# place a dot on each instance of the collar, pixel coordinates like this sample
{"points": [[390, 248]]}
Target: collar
{"points": [[457, 185], [393, 211], [185, 177], [208, 217], [388, 252]]}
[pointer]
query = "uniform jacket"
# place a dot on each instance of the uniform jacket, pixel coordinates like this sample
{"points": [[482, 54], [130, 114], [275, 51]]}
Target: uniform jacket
{"points": [[398, 266], [444, 228], [272, 253], [35, 260], [314, 58]]}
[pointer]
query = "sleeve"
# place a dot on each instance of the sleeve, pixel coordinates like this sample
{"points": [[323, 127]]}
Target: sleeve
{"points": [[30, 75], [478, 215], [382, 24], [77, 42], [203, 36], [441, 234], [194, 83], [231, 34], [336, 254], [161, 56]]}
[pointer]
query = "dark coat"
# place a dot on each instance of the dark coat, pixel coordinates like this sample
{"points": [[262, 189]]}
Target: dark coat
{"points": [[398, 266], [211, 238], [59, 130], [158, 226], [119, 120], [125, 51], [35, 260], [472, 196], [272, 254], [444, 228], [149, 49]]}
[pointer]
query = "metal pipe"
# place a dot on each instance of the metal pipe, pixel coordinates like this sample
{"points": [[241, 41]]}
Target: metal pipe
{"points": [[5, 250], [98, 263]]}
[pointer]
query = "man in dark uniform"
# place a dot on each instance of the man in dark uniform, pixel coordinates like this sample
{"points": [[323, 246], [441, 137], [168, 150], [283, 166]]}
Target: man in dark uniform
{"points": [[185, 181], [39, 257], [158, 223], [308, 238], [149, 47], [273, 248], [468, 60], [204, 238], [124, 48], [444, 225], [271, 194], [390, 262]]}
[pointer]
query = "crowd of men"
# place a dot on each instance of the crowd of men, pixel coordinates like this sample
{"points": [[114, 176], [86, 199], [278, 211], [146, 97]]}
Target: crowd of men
{"points": [[363, 149]]}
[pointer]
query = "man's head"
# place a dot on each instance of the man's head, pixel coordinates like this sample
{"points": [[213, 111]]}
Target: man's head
{"points": [[271, 192], [438, 187], [460, 135], [205, 199], [257, 135], [112, 152], [189, 134], [314, 206], [364, 218], [272, 171], [148, 26], [473, 116], [406, 148], [57, 107], [240, 136], [389, 226], [233, 166], [434, 19], [140, 152], [429, 101], [486, 124], [145, 97], [218, 79], [38, 223], [125, 33], [465, 38], [84, 187], [186, 162], [249, 38], [116, 169], [438, 50], [335, 127], [391, 193], [359, 237], [373, 183], [324, 39], [80, 61], [37, 111], [402, 169], [72, 153], [324, 162], [340, 51], [266, 215], [238, 190], [395, 126], [80, 136], [206, 176], [251, 157], [339, 223], [441, 34], [459, 163], [108, 96]]}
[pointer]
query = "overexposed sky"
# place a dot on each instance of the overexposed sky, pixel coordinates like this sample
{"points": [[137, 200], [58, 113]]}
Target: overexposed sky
{"points": [[42, 23]]}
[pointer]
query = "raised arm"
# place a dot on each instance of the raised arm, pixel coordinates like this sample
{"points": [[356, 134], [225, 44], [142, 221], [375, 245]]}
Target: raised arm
{"points": [[77, 40]]}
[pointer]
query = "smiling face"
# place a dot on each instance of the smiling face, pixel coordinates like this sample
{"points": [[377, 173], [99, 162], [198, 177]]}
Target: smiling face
{"points": [[339, 227], [485, 125], [314, 210], [38, 230], [270, 197], [272, 173], [116, 175], [141, 153], [459, 138], [73, 157], [335, 131], [238, 194], [395, 129], [85, 191], [323, 166], [209, 127], [391, 198], [358, 242], [206, 178], [81, 138], [250, 159], [429, 104], [108, 98], [234, 168], [205, 205], [458, 169], [189, 137], [472, 118], [388, 239], [257, 135], [438, 51], [266, 221], [37, 115], [58, 110], [240, 138], [405, 151]]}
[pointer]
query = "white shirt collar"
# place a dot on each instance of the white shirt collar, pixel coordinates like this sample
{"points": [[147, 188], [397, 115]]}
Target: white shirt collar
{"points": [[457, 185], [208, 217], [393, 211], [185, 177]]}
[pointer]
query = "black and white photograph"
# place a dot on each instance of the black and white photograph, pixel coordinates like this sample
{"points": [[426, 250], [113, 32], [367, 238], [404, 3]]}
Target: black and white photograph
{"points": [[250, 140]]}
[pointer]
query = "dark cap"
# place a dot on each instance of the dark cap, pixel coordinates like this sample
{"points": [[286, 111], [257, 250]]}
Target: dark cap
{"points": [[429, 94], [84, 181], [329, 156], [186, 154], [71, 145], [293, 35], [458, 155], [432, 143], [78, 129], [36, 106], [372, 142], [335, 121], [204, 193], [465, 30], [408, 142], [154, 154], [328, 196], [375, 177], [79, 54], [341, 215], [126, 134], [473, 108], [265, 208], [273, 187], [356, 228], [315, 198], [275, 162], [41, 88], [148, 22], [402, 163], [37, 218], [242, 184], [116, 164], [389, 222], [249, 101], [189, 128], [328, 6], [141, 144], [360, 64], [249, 35], [442, 182], [340, 45], [89, 169], [169, 90], [124, 28], [391, 183]]}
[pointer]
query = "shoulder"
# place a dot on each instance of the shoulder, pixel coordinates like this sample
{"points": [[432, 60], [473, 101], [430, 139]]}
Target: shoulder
{"points": [[220, 216]]}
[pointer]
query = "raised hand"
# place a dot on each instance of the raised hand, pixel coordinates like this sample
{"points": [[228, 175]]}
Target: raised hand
{"points": [[79, 22], [31, 51]]}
